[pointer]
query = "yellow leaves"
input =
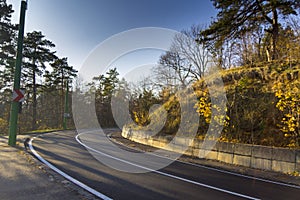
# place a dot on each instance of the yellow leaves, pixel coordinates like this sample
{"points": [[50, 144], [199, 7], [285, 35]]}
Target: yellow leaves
{"points": [[288, 95], [204, 108], [140, 118], [292, 144]]}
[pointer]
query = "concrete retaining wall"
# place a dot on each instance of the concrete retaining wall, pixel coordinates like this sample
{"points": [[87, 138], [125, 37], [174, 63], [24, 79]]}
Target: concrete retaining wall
{"points": [[254, 156]]}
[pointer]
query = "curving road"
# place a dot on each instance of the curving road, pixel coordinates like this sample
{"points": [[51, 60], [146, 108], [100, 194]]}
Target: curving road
{"points": [[179, 180]]}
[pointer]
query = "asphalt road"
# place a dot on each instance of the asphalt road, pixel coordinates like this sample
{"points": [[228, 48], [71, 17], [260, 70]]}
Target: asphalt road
{"points": [[177, 181]]}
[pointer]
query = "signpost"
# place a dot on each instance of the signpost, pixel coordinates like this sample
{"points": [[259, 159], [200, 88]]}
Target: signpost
{"points": [[19, 95], [66, 114]]}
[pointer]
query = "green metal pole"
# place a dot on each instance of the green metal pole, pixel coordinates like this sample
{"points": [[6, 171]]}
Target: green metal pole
{"points": [[17, 78], [66, 106]]}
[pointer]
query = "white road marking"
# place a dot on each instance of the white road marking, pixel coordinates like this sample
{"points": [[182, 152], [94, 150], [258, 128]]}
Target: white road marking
{"points": [[166, 174], [242, 175], [218, 170], [73, 180]]}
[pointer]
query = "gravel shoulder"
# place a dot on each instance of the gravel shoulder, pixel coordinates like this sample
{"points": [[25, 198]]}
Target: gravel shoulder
{"points": [[23, 177]]}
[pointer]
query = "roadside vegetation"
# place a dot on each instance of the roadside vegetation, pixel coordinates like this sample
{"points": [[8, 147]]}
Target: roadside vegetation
{"points": [[44, 78], [253, 46]]}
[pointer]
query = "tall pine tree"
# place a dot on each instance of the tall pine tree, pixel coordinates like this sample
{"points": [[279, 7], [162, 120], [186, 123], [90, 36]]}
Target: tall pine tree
{"points": [[7, 49], [58, 80], [237, 17], [37, 54]]}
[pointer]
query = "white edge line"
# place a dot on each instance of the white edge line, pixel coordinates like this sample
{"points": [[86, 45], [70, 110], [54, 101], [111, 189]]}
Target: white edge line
{"points": [[242, 175], [166, 174], [73, 180], [218, 170]]}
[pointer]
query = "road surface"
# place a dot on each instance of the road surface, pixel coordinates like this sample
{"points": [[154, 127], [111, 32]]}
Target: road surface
{"points": [[177, 181]]}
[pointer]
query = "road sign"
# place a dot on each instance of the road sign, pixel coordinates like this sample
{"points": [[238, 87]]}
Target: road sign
{"points": [[18, 95], [67, 115]]}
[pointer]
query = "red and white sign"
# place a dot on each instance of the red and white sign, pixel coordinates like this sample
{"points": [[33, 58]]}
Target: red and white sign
{"points": [[18, 95]]}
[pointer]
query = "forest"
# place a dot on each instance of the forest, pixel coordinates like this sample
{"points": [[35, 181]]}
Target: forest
{"points": [[252, 45]]}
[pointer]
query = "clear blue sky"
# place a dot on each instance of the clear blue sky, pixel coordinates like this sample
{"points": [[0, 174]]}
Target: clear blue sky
{"points": [[78, 26]]}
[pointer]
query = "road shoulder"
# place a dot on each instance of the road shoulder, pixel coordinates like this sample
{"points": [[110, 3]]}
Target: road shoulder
{"points": [[23, 177]]}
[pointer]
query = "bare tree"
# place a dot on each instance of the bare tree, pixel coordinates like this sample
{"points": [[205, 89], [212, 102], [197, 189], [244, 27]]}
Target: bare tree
{"points": [[187, 60], [294, 47], [174, 68], [163, 76], [195, 52]]}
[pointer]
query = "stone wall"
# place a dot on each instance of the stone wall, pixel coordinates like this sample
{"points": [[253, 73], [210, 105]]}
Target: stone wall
{"points": [[261, 157]]}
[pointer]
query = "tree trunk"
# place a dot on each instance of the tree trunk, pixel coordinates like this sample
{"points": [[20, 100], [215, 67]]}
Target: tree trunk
{"points": [[268, 54], [275, 30], [259, 50], [34, 103], [62, 99]]}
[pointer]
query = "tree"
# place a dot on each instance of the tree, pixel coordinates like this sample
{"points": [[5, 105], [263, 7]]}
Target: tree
{"points": [[37, 54], [7, 33], [140, 107], [294, 48], [289, 44], [104, 87], [288, 94], [62, 73], [7, 61], [7, 48], [54, 90], [194, 52], [235, 18], [110, 83], [187, 60], [172, 66]]}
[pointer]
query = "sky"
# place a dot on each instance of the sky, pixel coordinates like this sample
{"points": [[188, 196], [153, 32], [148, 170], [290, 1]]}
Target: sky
{"points": [[76, 27]]}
